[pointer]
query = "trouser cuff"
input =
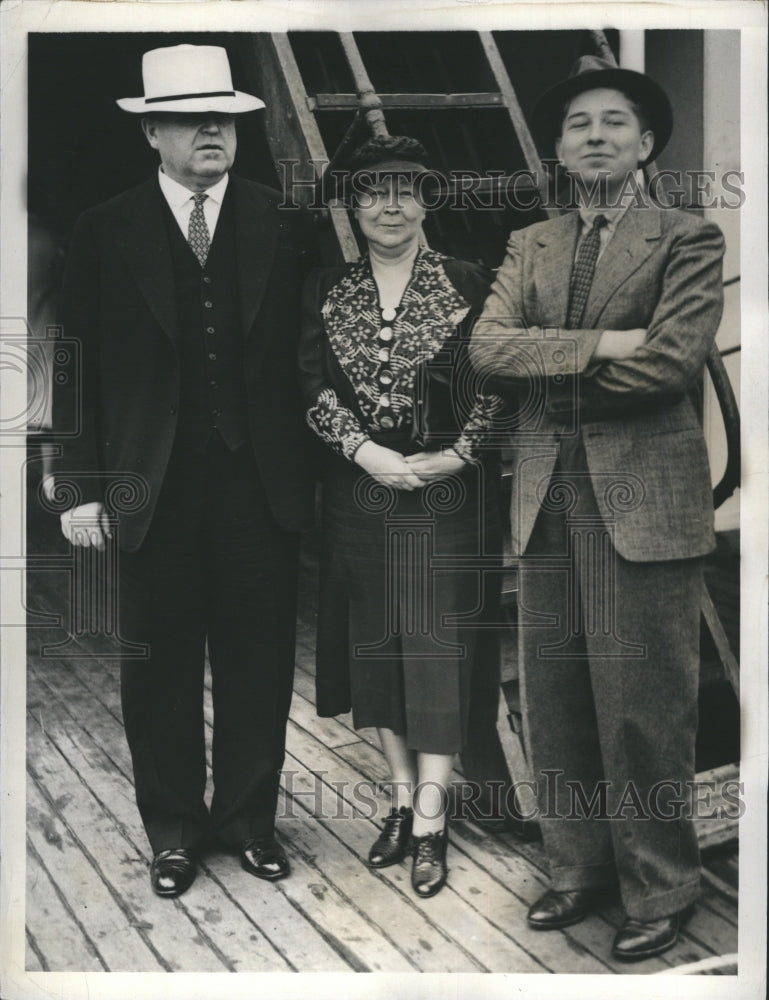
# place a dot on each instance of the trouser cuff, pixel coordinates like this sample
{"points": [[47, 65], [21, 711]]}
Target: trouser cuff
{"points": [[664, 904], [566, 878]]}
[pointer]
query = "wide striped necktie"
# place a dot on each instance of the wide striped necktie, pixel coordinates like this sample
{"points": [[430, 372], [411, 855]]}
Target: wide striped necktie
{"points": [[198, 236], [582, 273]]}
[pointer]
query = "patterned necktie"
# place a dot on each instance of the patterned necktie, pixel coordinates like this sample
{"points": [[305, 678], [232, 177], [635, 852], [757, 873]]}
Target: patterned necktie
{"points": [[198, 236], [582, 273]]}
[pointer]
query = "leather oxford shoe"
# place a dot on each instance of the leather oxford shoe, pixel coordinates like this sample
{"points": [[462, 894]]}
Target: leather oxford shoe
{"points": [[391, 845], [173, 872], [639, 939], [265, 858], [429, 871], [560, 909]]}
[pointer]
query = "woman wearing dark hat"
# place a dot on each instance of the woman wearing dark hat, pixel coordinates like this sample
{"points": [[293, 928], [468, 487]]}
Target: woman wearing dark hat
{"points": [[619, 302], [410, 517]]}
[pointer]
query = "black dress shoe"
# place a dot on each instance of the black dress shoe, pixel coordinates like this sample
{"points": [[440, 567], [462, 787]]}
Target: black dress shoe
{"points": [[639, 939], [265, 858], [391, 845], [429, 871], [173, 872], [557, 909]]}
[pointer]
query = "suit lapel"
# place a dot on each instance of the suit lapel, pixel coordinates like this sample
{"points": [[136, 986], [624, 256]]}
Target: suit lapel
{"points": [[557, 244], [256, 239], [143, 239], [634, 239]]}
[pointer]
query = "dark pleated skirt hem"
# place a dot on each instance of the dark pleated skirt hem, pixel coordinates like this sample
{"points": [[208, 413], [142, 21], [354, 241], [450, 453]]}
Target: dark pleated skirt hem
{"points": [[411, 677]]}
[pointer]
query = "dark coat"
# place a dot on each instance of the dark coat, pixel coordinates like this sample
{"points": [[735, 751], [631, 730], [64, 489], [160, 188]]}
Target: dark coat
{"points": [[119, 305]]}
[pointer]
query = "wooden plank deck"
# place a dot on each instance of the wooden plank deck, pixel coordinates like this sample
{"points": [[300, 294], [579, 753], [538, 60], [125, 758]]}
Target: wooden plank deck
{"points": [[90, 907]]}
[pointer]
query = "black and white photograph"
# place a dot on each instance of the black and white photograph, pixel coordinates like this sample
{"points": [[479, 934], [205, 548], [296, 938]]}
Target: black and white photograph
{"points": [[384, 499]]}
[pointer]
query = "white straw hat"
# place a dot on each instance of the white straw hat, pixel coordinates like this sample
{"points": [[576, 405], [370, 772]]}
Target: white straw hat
{"points": [[189, 78]]}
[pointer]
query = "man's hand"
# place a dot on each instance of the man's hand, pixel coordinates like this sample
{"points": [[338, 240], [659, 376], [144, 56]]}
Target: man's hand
{"points": [[86, 525], [387, 466], [432, 465], [615, 345]]}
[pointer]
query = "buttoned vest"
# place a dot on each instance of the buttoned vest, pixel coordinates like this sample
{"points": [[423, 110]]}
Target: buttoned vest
{"points": [[213, 389]]}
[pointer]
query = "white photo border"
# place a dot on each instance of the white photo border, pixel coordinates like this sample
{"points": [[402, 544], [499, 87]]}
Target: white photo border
{"points": [[20, 17]]}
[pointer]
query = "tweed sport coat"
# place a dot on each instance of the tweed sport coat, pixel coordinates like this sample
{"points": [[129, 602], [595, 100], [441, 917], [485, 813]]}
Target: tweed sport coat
{"points": [[119, 304], [646, 455]]}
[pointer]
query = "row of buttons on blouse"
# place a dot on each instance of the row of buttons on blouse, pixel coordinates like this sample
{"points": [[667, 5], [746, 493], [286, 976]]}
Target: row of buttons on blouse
{"points": [[384, 374]]}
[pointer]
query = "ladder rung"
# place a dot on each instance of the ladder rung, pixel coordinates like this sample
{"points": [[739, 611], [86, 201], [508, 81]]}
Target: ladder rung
{"points": [[346, 102], [479, 186]]}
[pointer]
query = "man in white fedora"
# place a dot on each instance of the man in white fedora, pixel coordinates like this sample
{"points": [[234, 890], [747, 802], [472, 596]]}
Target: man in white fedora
{"points": [[182, 294]]}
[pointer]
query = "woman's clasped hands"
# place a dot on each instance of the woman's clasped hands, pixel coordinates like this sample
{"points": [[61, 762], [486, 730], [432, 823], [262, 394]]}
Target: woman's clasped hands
{"points": [[406, 473]]}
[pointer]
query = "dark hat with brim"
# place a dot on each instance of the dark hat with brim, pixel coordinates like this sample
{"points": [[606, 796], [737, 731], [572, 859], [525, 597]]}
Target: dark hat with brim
{"points": [[591, 73], [383, 156]]}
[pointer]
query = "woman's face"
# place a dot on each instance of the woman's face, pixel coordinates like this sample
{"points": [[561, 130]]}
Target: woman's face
{"points": [[389, 212]]}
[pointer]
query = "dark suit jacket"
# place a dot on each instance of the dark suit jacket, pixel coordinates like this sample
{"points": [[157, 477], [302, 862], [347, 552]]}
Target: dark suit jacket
{"points": [[119, 303], [644, 445]]}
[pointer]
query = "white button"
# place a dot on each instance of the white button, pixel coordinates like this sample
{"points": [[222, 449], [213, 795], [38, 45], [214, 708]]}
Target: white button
{"points": [[384, 399], [385, 333], [388, 314], [384, 354]]}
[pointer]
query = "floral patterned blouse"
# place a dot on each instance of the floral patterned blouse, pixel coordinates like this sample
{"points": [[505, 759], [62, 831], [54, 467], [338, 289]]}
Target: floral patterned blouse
{"points": [[379, 351]]}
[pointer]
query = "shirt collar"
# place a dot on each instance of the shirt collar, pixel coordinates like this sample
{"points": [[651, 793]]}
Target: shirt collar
{"points": [[613, 214], [177, 194]]}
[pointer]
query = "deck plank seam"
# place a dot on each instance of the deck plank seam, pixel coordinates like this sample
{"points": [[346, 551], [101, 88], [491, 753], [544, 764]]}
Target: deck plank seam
{"points": [[411, 902], [462, 851], [574, 943], [235, 902], [332, 749], [310, 861], [117, 897], [90, 943], [705, 903], [32, 942], [339, 947], [142, 853], [475, 863]]}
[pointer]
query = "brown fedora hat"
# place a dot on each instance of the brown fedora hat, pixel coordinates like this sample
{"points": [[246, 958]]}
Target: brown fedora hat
{"points": [[591, 73]]}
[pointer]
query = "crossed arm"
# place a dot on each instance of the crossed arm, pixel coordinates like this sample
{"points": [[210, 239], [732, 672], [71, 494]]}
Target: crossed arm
{"points": [[616, 367]]}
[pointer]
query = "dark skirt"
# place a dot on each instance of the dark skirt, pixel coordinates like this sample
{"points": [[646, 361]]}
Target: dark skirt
{"points": [[409, 602]]}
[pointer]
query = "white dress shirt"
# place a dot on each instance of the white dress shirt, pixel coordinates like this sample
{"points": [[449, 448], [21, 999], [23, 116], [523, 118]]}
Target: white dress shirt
{"points": [[612, 216], [181, 201]]}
